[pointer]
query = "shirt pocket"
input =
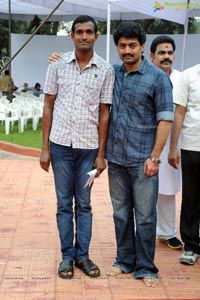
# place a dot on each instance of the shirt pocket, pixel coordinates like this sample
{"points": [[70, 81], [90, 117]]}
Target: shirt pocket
{"points": [[64, 87], [92, 92]]}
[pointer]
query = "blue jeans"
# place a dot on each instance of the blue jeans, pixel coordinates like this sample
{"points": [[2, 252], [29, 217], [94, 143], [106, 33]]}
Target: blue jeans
{"points": [[134, 197], [70, 168]]}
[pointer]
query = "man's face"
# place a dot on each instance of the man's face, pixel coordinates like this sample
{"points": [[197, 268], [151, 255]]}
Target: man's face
{"points": [[84, 36], [130, 51], [163, 57]]}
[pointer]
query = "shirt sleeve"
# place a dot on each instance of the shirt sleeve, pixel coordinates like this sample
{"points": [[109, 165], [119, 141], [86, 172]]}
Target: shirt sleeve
{"points": [[181, 91], [51, 85], [164, 99], [107, 88]]}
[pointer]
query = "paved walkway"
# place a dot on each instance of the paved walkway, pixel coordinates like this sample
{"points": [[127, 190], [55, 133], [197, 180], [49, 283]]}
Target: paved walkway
{"points": [[30, 250]]}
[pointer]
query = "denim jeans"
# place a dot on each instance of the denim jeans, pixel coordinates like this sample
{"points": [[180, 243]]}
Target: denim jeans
{"points": [[134, 197], [70, 168]]}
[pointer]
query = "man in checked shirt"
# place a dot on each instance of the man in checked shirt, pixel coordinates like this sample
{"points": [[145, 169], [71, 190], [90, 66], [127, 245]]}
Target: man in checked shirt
{"points": [[78, 94]]}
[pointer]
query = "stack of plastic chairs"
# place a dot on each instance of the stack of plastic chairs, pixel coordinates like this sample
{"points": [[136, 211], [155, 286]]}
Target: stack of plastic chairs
{"points": [[20, 110], [14, 111], [37, 113], [3, 112]]}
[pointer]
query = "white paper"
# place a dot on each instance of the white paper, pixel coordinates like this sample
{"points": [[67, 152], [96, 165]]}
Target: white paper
{"points": [[91, 178]]}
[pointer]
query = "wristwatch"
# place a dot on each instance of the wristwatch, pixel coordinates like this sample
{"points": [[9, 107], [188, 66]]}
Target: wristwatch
{"points": [[155, 160]]}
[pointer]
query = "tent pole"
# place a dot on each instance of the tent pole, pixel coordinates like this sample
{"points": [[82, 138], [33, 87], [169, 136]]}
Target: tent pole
{"points": [[185, 37], [184, 43], [9, 48], [32, 35], [108, 32], [9, 31]]}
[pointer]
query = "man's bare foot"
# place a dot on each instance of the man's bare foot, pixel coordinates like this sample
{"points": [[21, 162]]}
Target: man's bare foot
{"points": [[151, 281], [114, 271]]}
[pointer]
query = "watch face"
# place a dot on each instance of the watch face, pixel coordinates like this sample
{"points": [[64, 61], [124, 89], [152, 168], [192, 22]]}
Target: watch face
{"points": [[155, 160]]}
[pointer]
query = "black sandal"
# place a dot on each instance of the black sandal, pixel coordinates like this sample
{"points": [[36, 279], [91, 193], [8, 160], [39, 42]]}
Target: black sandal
{"points": [[87, 266], [66, 269]]}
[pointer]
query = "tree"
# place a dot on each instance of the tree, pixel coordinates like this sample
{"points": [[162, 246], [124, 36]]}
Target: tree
{"points": [[24, 27], [155, 26]]}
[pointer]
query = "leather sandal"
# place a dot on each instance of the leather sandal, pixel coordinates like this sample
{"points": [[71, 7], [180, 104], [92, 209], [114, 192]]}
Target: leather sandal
{"points": [[66, 269], [88, 267]]}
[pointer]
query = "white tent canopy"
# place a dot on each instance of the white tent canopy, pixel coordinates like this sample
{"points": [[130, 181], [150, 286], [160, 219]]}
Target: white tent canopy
{"points": [[172, 10]]}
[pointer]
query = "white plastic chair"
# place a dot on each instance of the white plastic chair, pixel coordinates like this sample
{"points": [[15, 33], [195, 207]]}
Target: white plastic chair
{"points": [[4, 100], [14, 111], [41, 97], [37, 114], [26, 114], [3, 112], [15, 116]]}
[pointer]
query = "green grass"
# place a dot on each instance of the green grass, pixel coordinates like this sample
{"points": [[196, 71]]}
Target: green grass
{"points": [[28, 138]]}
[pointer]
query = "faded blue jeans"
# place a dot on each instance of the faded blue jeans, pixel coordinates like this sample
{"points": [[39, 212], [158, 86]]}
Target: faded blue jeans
{"points": [[134, 196], [70, 168]]}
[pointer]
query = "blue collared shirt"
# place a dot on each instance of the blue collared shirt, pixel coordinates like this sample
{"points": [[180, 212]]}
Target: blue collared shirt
{"points": [[141, 99]]}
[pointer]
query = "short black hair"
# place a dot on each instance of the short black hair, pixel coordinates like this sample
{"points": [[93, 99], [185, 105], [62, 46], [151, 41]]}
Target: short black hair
{"points": [[129, 30], [6, 72], [84, 19], [37, 85], [161, 39]]}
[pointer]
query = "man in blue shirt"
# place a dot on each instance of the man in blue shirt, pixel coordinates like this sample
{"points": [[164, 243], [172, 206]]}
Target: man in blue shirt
{"points": [[141, 116]]}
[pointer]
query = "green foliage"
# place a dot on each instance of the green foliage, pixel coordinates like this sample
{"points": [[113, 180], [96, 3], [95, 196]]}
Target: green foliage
{"points": [[16, 27], [157, 26], [160, 26], [102, 26], [28, 138], [151, 26], [48, 28], [194, 25], [65, 26], [23, 27]]}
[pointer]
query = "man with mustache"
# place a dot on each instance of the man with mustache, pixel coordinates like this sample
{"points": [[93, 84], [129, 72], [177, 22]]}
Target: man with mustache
{"points": [[162, 55], [141, 116]]}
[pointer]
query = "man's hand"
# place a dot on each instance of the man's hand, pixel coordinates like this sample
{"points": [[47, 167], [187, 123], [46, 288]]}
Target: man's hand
{"points": [[174, 158], [100, 165], [150, 168], [54, 57], [45, 160]]}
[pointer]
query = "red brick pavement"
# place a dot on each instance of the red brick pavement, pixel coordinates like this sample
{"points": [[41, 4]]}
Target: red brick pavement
{"points": [[30, 250]]}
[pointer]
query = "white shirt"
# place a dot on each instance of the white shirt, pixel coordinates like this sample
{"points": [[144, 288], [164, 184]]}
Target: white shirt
{"points": [[188, 95], [169, 178]]}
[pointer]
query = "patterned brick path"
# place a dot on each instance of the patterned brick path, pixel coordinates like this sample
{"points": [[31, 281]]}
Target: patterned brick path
{"points": [[30, 250]]}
